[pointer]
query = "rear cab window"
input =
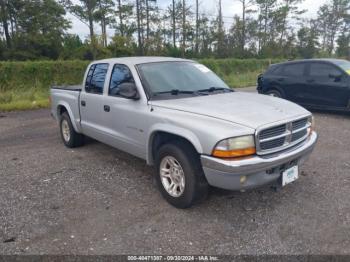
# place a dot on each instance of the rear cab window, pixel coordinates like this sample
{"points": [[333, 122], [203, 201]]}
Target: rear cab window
{"points": [[96, 78]]}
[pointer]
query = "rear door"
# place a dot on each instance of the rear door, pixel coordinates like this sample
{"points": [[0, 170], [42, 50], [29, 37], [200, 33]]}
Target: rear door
{"points": [[92, 101], [327, 86], [292, 81]]}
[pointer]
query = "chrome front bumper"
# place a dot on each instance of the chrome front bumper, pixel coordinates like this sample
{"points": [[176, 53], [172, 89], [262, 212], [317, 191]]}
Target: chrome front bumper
{"points": [[259, 170]]}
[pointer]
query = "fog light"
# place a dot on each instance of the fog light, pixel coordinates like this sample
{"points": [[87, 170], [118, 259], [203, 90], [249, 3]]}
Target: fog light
{"points": [[243, 179]]}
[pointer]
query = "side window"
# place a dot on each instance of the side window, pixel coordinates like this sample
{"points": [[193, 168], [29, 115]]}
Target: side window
{"points": [[277, 70], [121, 74], [96, 78], [88, 77], [323, 70], [294, 70]]}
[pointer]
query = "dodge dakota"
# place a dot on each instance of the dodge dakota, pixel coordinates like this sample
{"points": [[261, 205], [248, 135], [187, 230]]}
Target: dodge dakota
{"points": [[182, 118]]}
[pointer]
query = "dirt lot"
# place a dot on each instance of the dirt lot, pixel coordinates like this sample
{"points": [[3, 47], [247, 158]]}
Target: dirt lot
{"points": [[98, 200]]}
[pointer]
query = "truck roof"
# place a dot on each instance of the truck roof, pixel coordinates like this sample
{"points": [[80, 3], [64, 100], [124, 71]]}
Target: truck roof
{"points": [[135, 60]]}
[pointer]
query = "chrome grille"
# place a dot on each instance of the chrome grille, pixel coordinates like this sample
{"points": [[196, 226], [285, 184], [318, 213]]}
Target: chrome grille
{"points": [[271, 132], [299, 124], [298, 135], [281, 137], [273, 143]]}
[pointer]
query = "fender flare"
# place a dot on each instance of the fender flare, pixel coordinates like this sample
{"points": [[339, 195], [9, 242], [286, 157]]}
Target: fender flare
{"points": [[277, 89], [70, 113], [174, 130]]}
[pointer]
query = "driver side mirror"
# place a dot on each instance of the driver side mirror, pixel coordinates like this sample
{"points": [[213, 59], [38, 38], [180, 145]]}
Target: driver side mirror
{"points": [[128, 91], [336, 78]]}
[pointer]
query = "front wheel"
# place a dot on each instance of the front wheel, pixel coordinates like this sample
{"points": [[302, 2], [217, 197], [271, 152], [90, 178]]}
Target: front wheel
{"points": [[179, 175]]}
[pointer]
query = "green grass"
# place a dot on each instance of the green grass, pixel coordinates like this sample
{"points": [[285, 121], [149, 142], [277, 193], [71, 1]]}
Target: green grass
{"points": [[23, 100], [26, 85]]}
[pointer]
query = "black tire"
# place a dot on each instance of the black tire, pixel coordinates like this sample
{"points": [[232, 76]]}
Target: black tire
{"points": [[196, 186], [75, 139], [274, 93]]}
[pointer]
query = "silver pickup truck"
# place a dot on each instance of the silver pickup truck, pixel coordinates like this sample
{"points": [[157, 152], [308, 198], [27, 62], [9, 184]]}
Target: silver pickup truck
{"points": [[183, 119]]}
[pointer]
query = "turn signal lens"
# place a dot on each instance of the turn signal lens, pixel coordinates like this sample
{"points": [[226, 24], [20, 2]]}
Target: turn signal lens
{"points": [[235, 147], [234, 153]]}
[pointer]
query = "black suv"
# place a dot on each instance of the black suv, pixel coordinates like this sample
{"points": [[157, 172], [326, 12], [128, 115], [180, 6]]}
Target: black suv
{"points": [[314, 83]]}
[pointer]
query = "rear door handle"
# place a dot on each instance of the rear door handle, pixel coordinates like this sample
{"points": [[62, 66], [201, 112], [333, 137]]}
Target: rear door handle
{"points": [[310, 80], [280, 79], [83, 103], [106, 108]]}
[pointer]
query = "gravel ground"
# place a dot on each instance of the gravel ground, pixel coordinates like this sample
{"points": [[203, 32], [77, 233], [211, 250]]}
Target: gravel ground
{"points": [[98, 200]]}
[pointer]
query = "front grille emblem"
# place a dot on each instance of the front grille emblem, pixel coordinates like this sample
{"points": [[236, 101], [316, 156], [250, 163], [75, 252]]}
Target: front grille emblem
{"points": [[289, 135]]}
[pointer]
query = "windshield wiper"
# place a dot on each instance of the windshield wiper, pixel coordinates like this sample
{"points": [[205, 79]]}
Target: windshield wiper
{"points": [[174, 92], [213, 89]]}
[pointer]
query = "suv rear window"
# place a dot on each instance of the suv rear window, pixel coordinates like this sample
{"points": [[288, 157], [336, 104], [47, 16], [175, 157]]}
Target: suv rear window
{"points": [[273, 70]]}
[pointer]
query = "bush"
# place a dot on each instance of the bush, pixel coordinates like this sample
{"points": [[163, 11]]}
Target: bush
{"points": [[238, 72], [27, 84], [40, 75]]}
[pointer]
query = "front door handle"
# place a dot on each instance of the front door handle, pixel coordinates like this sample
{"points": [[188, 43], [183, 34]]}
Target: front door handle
{"points": [[106, 108], [310, 80], [83, 103]]}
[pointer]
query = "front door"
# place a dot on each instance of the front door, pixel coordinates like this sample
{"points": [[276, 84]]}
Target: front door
{"points": [[126, 121], [327, 86]]}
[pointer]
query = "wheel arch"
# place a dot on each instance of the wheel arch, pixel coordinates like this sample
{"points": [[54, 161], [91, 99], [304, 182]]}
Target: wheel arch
{"points": [[161, 136], [63, 107], [276, 88]]}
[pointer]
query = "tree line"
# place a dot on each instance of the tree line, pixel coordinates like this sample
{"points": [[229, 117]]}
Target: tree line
{"points": [[37, 29]]}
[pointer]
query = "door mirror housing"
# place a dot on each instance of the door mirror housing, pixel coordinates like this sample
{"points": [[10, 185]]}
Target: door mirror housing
{"points": [[336, 77], [128, 91]]}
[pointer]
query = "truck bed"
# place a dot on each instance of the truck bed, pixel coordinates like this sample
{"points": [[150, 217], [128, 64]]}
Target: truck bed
{"points": [[69, 97]]}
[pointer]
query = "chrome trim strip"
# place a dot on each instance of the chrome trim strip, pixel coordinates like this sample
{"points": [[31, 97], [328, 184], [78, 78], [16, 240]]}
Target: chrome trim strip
{"points": [[275, 137], [301, 129]]}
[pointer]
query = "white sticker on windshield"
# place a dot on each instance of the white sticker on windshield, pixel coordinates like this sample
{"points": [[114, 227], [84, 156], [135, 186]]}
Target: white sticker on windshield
{"points": [[202, 68]]}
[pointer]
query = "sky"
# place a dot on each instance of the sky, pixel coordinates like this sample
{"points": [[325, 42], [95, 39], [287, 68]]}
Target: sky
{"points": [[230, 8]]}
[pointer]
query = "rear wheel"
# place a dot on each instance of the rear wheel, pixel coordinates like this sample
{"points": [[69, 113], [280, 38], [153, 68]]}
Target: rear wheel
{"points": [[69, 137], [274, 93], [179, 175]]}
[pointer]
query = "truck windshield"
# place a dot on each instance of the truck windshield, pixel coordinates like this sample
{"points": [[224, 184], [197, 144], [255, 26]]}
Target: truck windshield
{"points": [[180, 78]]}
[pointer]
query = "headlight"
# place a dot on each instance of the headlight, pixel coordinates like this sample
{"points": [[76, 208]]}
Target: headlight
{"points": [[235, 147], [311, 128]]}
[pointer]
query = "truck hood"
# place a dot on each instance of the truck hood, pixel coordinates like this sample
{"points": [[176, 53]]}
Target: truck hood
{"points": [[250, 110]]}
